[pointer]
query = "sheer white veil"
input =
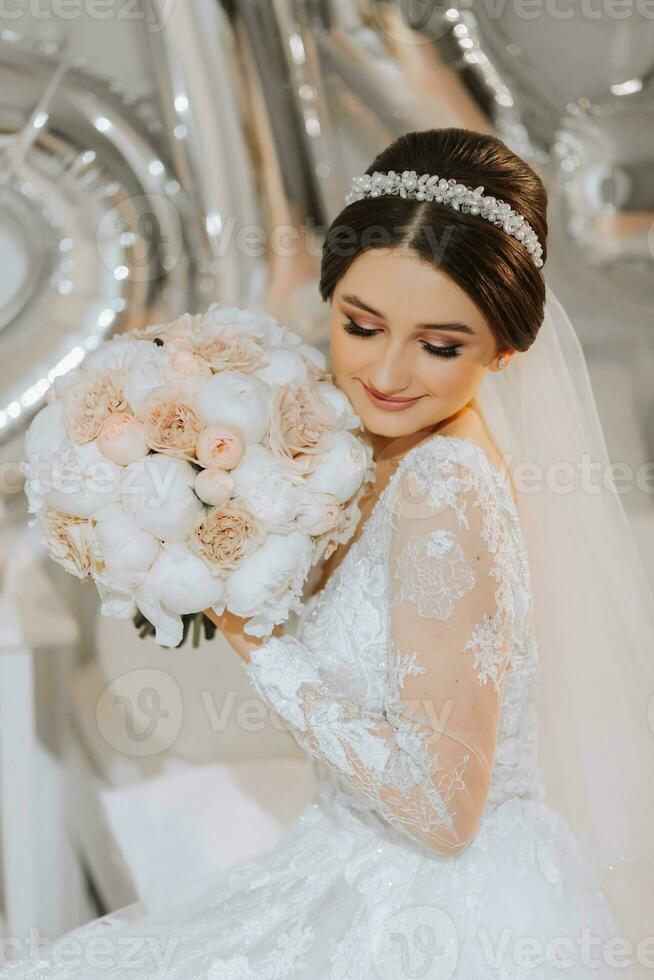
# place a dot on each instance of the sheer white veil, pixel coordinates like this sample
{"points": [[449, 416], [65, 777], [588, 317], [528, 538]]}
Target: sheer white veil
{"points": [[593, 614]]}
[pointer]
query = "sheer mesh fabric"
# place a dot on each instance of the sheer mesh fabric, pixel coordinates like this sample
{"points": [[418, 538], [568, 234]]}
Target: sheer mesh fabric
{"points": [[424, 761]]}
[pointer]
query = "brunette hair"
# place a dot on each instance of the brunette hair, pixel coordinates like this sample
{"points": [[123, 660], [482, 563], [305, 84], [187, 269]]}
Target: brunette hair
{"points": [[495, 269]]}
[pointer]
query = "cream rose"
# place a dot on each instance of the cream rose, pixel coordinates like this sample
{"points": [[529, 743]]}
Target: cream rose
{"points": [[221, 445], [171, 424], [220, 345], [89, 401], [187, 371], [301, 426], [122, 438], [225, 537], [231, 351], [348, 518], [68, 540]]}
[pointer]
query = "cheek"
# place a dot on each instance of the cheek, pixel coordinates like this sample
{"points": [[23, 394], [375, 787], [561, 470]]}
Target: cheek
{"points": [[345, 352], [448, 378]]}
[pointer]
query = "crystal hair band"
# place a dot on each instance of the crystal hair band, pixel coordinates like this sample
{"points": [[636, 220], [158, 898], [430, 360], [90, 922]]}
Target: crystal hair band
{"points": [[431, 187]]}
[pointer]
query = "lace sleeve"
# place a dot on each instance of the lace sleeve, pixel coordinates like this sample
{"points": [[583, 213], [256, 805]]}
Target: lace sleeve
{"points": [[425, 762]]}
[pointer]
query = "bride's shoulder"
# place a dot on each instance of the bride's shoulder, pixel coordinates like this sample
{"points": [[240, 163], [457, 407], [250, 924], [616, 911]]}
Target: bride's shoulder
{"points": [[465, 440], [464, 434], [469, 427]]}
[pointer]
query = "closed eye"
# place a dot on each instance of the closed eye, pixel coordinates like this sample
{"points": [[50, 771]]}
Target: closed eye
{"points": [[353, 328]]}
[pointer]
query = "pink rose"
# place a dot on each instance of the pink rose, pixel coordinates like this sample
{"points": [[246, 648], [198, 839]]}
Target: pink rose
{"points": [[88, 401], [171, 423], [233, 351], [301, 423], [220, 445], [214, 486], [187, 370], [226, 536], [122, 438], [68, 539]]}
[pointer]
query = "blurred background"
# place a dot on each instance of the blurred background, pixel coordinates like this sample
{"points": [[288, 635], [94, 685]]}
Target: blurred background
{"points": [[156, 156]]}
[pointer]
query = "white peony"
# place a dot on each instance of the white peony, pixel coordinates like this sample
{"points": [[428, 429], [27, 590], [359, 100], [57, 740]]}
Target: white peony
{"points": [[44, 439], [319, 513], [342, 468], [46, 434], [117, 354], [147, 369], [79, 480], [270, 491], [157, 492], [63, 382], [178, 582], [284, 366], [269, 583], [117, 603], [240, 399], [346, 417], [122, 551], [315, 355]]}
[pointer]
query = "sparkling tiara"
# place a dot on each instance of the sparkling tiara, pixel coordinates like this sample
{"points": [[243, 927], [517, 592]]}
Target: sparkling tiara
{"points": [[431, 187]]}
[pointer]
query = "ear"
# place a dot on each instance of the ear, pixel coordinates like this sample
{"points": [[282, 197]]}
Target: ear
{"points": [[502, 360]]}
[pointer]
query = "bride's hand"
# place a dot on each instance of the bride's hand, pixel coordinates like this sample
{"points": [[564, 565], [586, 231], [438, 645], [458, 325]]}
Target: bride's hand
{"points": [[231, 627]]}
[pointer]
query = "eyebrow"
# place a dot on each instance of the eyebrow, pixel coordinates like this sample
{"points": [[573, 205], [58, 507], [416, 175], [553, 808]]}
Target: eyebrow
{"points": [[456, 325]]}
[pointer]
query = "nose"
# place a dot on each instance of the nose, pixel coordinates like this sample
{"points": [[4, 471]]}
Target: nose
{"points": [[390, 373]]}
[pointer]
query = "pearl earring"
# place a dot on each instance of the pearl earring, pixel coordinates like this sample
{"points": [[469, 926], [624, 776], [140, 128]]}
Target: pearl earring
{"points": [[501, 363]]}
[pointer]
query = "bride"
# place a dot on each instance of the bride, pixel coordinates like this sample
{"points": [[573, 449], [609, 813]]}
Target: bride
{"points": [[471, 675]]}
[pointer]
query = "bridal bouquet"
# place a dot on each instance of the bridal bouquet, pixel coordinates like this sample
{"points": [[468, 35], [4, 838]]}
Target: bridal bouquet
{"points": [[205, 462]]}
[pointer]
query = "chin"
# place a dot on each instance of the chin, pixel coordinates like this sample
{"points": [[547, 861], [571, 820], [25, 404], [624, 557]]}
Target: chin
{"points": [[391, 423]]}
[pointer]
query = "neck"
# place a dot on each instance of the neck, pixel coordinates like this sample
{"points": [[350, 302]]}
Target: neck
{"points": [[388, 450]]}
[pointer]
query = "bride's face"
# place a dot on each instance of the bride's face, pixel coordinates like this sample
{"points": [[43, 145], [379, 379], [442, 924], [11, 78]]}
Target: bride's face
{"points": [[404, 329]]}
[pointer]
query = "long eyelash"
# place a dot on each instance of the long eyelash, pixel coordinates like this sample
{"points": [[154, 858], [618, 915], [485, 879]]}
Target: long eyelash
{"points": [[451, 351], [353, 328]]}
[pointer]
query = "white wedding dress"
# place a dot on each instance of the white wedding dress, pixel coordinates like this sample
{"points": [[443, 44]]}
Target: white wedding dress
{"points": [[430, 849]]}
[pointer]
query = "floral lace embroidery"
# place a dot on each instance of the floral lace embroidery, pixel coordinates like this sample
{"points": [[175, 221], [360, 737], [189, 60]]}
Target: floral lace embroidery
{"points": [[278, 964], [449, 481], [403, 664], [433, 574]]}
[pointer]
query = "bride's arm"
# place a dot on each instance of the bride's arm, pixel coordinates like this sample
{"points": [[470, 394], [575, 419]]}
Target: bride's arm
{"points": [[424, 761], [231, 627]]}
